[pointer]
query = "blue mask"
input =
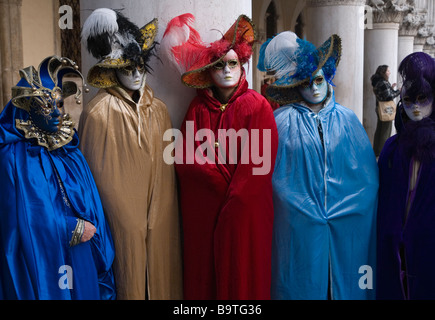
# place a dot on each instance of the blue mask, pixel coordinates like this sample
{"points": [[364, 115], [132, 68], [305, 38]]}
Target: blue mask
{"points": [[317, 91], [47, 114]]}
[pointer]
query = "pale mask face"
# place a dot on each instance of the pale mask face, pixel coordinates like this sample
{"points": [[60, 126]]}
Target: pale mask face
{"points": [[418, 107], [227, 72], [47, 115], [131, 77], [316, 92]]}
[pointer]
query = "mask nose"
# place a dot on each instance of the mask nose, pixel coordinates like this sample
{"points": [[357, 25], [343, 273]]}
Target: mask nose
{"points": [[56, 112], [314, 87]]}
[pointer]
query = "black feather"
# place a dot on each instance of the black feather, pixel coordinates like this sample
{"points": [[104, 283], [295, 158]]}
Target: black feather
{"points": [[125, 26], [99, 46]]}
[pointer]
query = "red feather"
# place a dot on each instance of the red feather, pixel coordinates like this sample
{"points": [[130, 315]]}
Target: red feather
{"points": [[181, 43]]}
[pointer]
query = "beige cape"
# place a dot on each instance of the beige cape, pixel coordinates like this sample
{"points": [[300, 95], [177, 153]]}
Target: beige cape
{"points": [[123, 144]]}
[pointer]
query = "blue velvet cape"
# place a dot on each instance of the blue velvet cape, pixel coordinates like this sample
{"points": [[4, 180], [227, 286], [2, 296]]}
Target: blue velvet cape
{"points": [[325, 199], [36, 224]]}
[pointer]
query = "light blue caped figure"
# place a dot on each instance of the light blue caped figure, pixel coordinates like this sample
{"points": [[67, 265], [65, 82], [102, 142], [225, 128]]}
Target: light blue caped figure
{"points": [[325, 182]]}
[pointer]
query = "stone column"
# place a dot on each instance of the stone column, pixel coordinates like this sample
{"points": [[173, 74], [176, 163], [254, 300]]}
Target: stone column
{"points": [[381, 48], [345, 18], [213, 18], [430, 24], [421, 6], [11, 55]]}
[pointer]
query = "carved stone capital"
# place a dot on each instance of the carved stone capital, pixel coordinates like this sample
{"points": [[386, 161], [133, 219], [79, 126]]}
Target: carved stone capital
{"points": [[425, 31], [387, 11], [411, 23], [430, 42]]}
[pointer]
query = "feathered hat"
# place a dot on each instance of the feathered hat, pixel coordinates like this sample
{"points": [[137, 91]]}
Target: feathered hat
{"points": [[117, 43], [295, 61], [417, 138], [46, 83], [193, 58]]}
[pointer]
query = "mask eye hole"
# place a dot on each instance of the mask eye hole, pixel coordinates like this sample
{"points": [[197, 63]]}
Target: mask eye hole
{"points": [[41, 106], [59, 104], [305, 84], [220, 65], [141, 68], [319, 80], [421, 98], [232, 63], [407, 100], [127, 71]]}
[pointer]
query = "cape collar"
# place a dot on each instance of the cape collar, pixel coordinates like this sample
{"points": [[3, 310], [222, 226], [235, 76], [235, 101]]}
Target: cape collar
{"points": [[328, 104], [215, 104], [146, 95], [51, 141]]}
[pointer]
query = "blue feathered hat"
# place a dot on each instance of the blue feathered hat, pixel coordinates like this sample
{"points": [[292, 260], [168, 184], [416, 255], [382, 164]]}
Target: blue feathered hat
{"points": [[295, 61]]}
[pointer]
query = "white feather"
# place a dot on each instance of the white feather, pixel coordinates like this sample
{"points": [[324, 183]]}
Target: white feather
{"points": [[280, 54], [181, 43], [177, 37], [100, 21]]}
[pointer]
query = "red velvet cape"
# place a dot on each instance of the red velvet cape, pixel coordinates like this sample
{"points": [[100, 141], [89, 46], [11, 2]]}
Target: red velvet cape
{"points": [[227, 211]]}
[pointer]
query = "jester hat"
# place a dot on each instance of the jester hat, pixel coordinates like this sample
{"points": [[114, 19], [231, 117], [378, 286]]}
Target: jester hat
{"points": [[46, 83]]}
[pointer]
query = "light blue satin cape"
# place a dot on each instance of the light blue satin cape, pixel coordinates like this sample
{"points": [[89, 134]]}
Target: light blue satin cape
{"points": [[325, 202], [36, 225]]}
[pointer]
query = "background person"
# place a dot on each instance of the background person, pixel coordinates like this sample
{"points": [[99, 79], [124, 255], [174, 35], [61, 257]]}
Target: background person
{"points": [[384, 91]]}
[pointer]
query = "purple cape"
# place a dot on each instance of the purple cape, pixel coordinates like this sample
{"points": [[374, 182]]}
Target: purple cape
{"points": [[406, 244]]}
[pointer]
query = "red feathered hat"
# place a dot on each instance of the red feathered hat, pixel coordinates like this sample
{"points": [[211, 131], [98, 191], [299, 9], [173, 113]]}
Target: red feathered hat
{"points": [[195, 58]]}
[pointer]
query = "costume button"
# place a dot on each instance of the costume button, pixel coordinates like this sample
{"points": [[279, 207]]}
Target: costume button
{"points": [[216, 144]]}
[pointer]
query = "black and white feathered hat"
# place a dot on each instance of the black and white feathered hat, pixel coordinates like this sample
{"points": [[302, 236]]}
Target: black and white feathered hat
{"points": [[117, 43]]}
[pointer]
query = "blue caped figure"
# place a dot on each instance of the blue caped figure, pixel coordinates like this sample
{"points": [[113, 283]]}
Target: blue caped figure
{"points": [[325, 179], [55, 243]]}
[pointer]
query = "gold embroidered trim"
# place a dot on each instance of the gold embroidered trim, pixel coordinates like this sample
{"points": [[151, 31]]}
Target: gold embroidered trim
{"points": [[51, 141], [77, 233]]}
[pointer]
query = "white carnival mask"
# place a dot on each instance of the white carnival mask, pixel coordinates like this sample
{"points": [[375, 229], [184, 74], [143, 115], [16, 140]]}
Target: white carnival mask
{"points": [[317, 91], [226, 73], [419, 107], [131, 77]]}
